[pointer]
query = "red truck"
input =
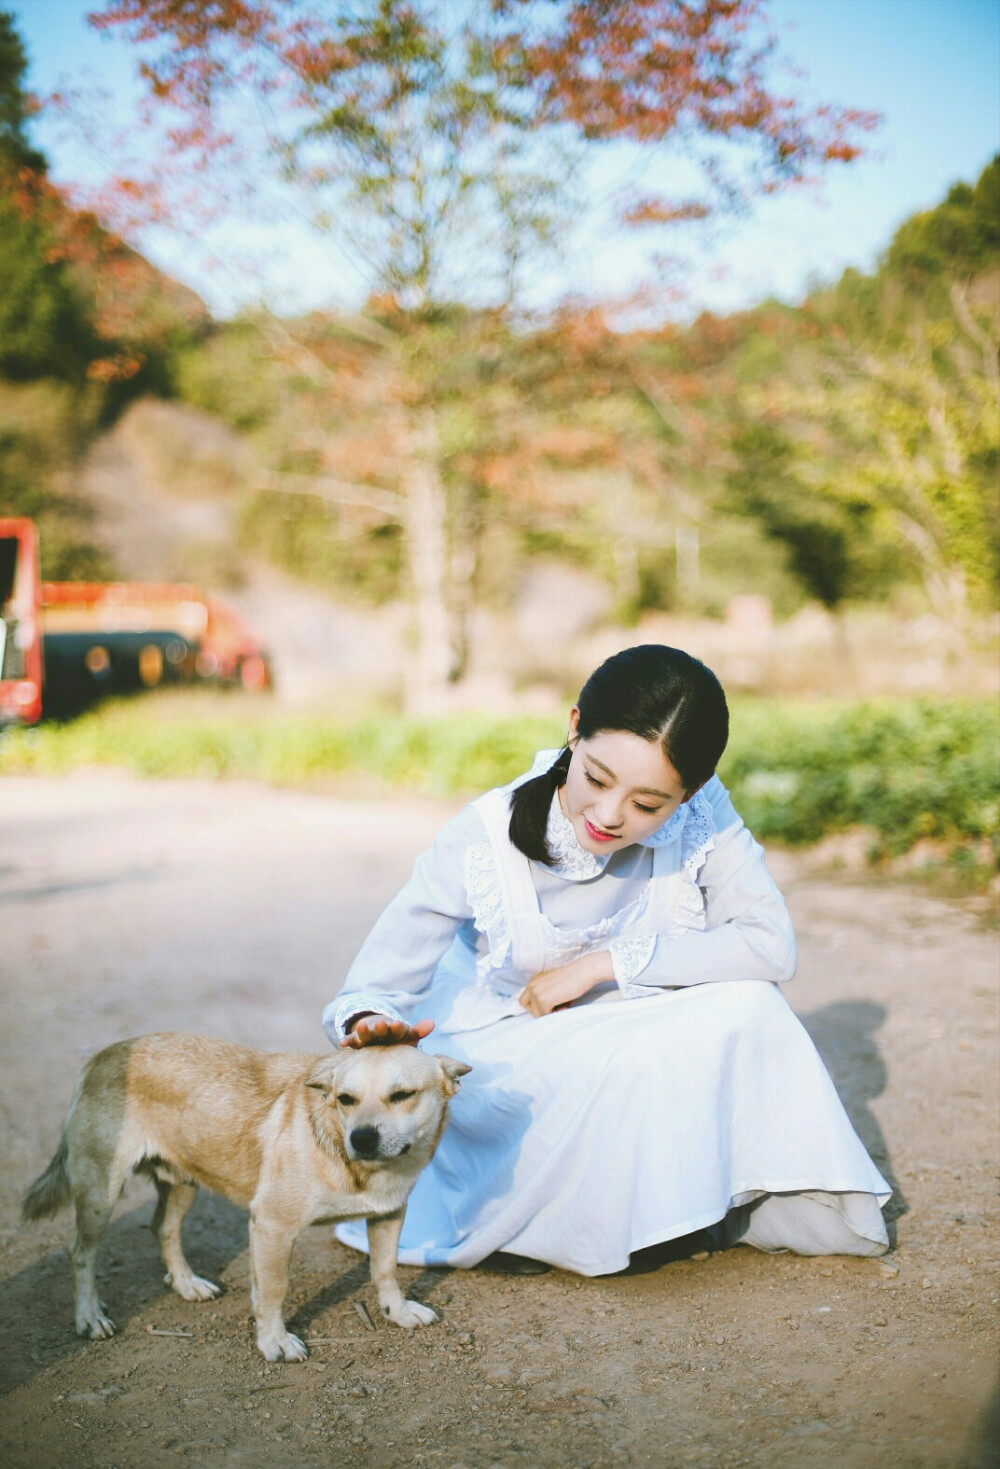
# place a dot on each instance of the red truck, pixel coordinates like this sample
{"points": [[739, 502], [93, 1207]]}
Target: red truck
{"points": [[20, 624], [64, 644]]}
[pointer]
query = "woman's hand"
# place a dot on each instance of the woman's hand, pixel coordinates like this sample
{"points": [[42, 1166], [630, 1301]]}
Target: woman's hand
{"points": [[378, 1030], [553, 988]]}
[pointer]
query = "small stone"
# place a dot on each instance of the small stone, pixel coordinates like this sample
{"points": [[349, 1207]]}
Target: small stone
{"points": [[720, 1341], [926, 1283], [702, 1255], [881, 1321], [887, 1270]]}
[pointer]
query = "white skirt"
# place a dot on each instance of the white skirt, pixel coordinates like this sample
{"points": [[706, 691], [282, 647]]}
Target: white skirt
{"points": [[587, 1135]]}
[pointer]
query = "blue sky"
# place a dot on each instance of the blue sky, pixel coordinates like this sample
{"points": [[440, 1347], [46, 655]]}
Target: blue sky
{"points": [[931, 67]]}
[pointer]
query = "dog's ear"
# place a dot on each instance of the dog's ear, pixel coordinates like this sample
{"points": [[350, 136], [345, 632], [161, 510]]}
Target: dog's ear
{"points": [[323, 1077], [453, 1072]]}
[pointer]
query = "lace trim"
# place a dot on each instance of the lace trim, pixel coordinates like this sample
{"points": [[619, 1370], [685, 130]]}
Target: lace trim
{"points": [[629, 957], [343, 1009], [482, 886], [570, 860], [597, 935], [693, 822], [697, 840]]}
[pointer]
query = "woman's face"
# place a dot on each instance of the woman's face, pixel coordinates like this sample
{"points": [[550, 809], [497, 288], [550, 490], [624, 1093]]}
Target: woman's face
{"points": [[620, 788]]}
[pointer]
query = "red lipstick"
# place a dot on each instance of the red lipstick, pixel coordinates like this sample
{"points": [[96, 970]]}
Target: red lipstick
{"points": [[599, 836]]}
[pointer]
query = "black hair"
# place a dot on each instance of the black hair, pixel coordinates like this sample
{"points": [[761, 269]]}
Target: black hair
{"points": [[652, 691]]}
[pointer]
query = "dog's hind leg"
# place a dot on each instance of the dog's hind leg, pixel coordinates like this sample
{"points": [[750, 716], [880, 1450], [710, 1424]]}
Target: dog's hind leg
{"points": [[270, 1257], [174, 1200], [94, 1202], [383, 1248]]}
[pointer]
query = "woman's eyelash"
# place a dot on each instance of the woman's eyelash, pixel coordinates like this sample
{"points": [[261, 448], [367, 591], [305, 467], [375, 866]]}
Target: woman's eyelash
{"points": [[646, 810]]}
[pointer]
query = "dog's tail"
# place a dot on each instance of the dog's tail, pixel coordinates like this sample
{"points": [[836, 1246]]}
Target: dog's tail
{"points": [[51, 1192]]}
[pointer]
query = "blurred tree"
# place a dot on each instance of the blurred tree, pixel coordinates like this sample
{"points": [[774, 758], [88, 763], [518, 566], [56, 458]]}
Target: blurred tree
{"points": [[441, 144], [959, 238], [825, 535], [904, 390], [44, 319], [15, 150]]}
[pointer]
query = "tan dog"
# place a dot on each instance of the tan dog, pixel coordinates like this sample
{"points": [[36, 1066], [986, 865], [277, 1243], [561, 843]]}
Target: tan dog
{"points": [[298, 1139]]}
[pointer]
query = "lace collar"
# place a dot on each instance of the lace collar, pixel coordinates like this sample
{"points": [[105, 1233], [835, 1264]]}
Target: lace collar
{"points": [[692, 822], [569, 859]]}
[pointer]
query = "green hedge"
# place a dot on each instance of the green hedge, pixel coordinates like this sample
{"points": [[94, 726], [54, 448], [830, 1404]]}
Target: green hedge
{"points": [[904, 770]]}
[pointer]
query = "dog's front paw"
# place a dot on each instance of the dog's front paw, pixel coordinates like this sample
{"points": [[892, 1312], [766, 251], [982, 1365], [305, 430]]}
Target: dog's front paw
{"points": [[409, 1314], [193, 1287], [95, 1325], [283, 1348]]}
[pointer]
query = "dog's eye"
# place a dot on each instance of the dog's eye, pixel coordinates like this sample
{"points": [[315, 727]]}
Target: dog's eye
{"points": [[401, 1096], [345, 1099]]}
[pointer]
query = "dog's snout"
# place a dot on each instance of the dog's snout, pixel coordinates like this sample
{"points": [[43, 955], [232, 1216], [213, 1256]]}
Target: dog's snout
{"points": [[364, 1141]]}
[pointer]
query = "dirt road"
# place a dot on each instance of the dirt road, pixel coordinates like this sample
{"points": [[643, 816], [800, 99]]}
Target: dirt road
{"points": [[234, 910]]}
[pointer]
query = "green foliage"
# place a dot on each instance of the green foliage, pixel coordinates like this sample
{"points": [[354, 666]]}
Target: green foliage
{"points": [[886, 418], [961, 236], [826, 539], [46, 322], [307, 537], [229, 374], [904, 771], [43, 426], [14, 146], [45, 326]]}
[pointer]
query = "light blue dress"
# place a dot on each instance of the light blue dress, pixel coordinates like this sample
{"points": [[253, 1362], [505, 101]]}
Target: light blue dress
{"points": [[685, 1095]]}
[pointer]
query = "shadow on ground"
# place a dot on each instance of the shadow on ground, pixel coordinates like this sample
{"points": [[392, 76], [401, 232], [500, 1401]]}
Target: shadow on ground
{"points": [[35, 1333], [845, 1036]]}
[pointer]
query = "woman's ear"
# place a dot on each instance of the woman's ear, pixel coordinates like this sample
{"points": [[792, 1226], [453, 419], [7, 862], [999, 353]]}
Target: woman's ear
{"points": [[574, 726]]}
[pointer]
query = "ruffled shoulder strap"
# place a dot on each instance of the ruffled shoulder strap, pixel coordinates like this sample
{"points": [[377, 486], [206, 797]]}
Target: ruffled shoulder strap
{"points": [[691, 833], [485, 866], [694, 824], [481, 879]]}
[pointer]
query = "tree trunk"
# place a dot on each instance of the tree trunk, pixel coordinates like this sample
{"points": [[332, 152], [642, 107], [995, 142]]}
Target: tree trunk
{"points": [[427, 676]]}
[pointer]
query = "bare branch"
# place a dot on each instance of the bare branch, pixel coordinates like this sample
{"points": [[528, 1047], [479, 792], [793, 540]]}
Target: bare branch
{"points": [[972, 329], [386, 503]]}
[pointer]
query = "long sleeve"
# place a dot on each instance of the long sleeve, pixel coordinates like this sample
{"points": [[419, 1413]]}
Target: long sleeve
{"points": [[397, 960], [748, 932]]}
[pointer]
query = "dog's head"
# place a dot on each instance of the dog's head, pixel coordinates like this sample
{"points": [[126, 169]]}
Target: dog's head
{"points": [[387, 1101]]}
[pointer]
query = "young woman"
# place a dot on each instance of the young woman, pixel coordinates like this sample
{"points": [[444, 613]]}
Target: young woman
{"points": [[602, 942]]}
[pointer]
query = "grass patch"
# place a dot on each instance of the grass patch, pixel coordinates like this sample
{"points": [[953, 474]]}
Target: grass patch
{"points": [[907, 771]]}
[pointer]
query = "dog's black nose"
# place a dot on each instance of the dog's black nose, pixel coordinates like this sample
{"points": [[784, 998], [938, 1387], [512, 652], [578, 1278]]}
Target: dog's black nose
{"points": [[364, 1141]]}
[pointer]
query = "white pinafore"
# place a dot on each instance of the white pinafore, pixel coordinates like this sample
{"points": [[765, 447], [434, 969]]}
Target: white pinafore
{"points": [[586, 1135]]}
